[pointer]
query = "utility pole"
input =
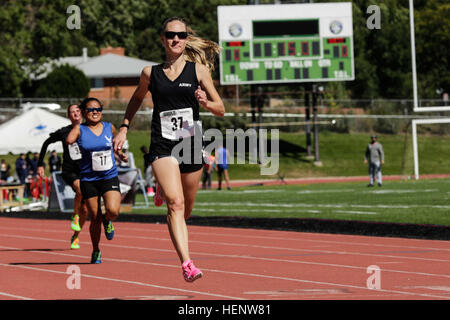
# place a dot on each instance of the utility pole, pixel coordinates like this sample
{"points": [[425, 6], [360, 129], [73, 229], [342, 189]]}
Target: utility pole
{"points": [[315, 93], [308, 119]]}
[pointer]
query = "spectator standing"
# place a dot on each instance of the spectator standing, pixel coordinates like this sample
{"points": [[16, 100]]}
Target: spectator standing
{"points": [[34, 164], [54, 162], [374, 155], [207, 170], [22, 172], [4, 173], [222, 159], [149, 180]]}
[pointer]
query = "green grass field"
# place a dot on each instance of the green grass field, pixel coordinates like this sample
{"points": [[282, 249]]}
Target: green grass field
{"points": [[341, 155], [408, 201]]}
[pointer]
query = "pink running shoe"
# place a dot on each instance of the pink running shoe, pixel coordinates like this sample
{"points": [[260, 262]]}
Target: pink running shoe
{"points": [[190, 272], [157, 197]]}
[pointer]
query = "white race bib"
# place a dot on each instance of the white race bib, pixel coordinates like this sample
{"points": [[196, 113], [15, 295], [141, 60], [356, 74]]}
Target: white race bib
{"points": [[176, 124], [101, 160], [74, 151]]}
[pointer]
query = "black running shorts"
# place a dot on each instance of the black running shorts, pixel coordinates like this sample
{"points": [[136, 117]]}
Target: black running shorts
{"points": [[97, 188], [70, 177], [184, 168]]}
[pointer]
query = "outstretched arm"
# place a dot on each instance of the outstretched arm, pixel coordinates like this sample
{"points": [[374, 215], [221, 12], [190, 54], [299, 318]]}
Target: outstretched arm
{"points": [[133, 107], [40, 168]]}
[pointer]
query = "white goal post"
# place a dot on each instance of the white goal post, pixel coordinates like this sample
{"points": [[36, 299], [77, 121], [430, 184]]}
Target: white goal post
{"points": [[417, 108], [414, 124]]}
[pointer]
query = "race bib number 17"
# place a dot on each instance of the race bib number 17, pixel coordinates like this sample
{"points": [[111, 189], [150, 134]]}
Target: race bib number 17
{"points": [[101, 160]]}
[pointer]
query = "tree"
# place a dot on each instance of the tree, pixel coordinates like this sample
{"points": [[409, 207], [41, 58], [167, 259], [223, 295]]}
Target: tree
{"points": [[15, 41], [64, 81], [432, 55], [34, 31]]}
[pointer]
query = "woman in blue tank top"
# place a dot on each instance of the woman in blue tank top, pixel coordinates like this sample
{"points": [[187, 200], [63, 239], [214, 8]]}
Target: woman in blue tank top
{"points": [[98, 171], [178, 87]]}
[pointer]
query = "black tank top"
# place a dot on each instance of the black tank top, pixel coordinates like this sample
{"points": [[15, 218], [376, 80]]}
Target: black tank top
{"points": [[176, 96]]}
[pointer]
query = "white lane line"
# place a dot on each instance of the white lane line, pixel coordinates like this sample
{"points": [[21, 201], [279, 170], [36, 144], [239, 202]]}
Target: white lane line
{"points": [[117, 280], [246, 257], [325, 191], [315, 205], [14, 296], [353, 212], [249, 245], [257, 210], [227, 272], [268, 237]]}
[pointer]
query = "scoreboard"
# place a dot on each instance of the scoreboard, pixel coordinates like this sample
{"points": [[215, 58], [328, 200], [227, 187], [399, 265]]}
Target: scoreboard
{"points": [[286, 43]]}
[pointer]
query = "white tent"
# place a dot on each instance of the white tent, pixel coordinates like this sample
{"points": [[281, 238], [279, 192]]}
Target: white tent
{"points": [[29, 130]]}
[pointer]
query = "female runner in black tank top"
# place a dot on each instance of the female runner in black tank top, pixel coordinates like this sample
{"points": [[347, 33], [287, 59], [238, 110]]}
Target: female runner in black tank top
{"points": [[178, 88], [175, 107]]}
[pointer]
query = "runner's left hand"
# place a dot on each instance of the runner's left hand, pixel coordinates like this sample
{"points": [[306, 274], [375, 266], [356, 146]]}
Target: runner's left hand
{"points": [[200, 95]]}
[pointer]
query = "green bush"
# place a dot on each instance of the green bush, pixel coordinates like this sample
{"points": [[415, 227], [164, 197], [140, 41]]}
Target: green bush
{"points": [[64, 82]]}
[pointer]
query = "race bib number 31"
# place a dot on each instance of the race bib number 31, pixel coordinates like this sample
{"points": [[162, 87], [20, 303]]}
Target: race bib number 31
{"points": [[101, 160], [176, 124]]}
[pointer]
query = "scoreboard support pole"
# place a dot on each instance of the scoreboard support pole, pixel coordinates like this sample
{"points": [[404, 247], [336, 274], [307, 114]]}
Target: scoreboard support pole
{"points": [[255, 124], [308, 89], [315, 94]]}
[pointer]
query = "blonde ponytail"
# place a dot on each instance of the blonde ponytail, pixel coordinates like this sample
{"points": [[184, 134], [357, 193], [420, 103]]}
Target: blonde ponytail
{"points": [[200, 50]]}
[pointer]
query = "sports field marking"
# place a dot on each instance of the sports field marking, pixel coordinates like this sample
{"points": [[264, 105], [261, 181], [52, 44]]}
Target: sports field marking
{"points": [[282, 293], [258, 210], [353, 212], [247, 245], [320, 293], [265, 237], [388, 191], [300, 239], [438, 288], [147, 297], [261, 191], [14, 296], [259, 258], [242, 191], [351, 243], [236, 245], [228, 272], [116, 280], [325, 191], [321, 205]]}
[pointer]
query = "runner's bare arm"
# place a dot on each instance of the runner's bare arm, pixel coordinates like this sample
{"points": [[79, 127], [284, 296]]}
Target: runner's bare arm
{"points": [[123, 156], [133, 106], [73, 135], [206, 93]]}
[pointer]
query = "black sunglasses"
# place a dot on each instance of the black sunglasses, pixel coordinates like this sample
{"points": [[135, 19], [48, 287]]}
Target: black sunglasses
{"points": [[172, 34], [94, 109]]}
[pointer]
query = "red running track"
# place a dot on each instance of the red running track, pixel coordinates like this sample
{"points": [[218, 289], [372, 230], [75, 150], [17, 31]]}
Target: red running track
{"points": [[140, 264]]}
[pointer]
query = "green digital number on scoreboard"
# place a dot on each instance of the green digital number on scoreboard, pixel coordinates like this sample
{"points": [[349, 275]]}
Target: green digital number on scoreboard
{"points": [[286, 43]]}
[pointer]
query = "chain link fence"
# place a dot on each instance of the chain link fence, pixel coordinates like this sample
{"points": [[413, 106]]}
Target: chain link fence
{"points": [[287, 115]]}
